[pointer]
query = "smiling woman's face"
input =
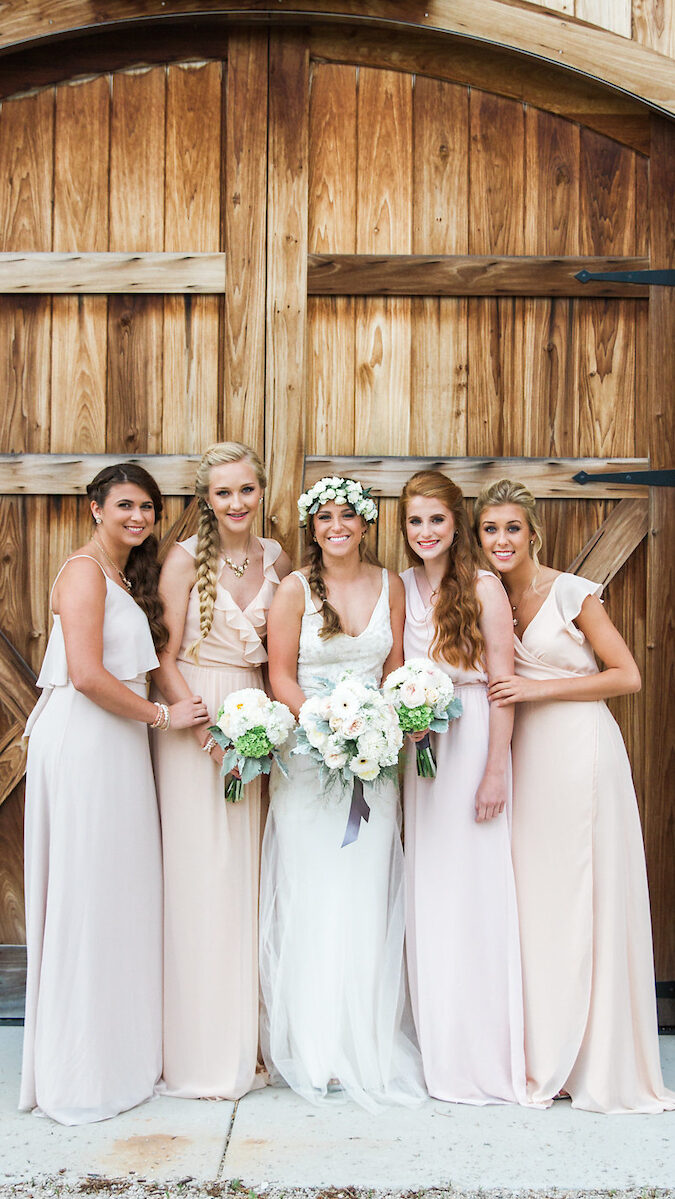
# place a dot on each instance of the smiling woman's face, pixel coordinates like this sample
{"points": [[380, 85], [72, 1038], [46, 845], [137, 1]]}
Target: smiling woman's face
{"points": [[505, 536]]}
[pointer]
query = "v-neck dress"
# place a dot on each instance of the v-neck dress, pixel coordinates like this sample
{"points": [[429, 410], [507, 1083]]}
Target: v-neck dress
{"points": [[93, 1034], [332, 918], [462, 924], [588, 973], [211, 864]]}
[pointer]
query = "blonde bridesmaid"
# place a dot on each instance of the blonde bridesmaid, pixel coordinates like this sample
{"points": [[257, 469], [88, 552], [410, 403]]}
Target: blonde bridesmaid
{"points": [[590, 1008], [462, 924], [217, 587]]}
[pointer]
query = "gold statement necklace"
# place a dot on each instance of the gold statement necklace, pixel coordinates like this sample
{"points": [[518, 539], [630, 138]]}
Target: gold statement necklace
{"points": [[238, 568]]}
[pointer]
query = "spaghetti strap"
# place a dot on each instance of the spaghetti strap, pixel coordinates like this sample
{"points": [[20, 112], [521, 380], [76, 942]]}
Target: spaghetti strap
{"points": [[72, 559], [309, 603]]}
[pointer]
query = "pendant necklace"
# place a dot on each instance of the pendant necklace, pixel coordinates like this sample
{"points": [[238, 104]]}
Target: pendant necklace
{"points": [[237, 568], [127, 582], [515, 607]]}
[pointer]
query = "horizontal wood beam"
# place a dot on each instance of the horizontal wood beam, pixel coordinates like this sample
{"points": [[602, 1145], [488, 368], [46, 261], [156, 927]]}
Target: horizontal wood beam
{"points": [[613, 543], [69, 474], [470, 275], [576, 45], [547, 478], [109, 273], [327, 274]]}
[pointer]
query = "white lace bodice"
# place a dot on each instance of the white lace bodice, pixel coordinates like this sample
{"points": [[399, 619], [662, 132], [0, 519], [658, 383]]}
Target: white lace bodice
{"points": [[365, 654]]}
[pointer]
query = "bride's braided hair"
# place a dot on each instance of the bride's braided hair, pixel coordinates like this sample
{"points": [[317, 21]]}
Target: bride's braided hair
{"points": [[208, 539], [332, 624]]}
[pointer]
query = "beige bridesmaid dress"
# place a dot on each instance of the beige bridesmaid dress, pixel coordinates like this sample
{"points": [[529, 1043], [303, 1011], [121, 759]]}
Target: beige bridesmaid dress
{"points": [[211, 865], [588, 973]]}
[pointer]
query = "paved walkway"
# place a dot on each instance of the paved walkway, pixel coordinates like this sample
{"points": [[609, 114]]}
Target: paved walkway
{"points": [[273, 1139]]}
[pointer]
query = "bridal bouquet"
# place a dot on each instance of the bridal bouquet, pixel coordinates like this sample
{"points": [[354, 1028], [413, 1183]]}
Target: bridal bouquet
{"points": [[424, 698], [250, 728], [353, 734]]}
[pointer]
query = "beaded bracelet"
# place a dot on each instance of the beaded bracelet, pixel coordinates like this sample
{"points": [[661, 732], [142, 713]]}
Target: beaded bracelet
{"points": [[209, 745], [162, 719]]}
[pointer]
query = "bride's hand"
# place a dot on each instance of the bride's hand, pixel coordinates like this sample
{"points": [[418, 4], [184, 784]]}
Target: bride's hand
{"points": [[419, 736]]}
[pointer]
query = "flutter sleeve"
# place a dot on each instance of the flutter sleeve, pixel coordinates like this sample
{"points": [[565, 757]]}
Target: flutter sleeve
{"points": [[570, 593]]}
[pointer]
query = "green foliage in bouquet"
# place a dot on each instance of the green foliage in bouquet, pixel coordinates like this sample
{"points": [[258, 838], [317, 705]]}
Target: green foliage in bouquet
{"points": [[414, 720]]}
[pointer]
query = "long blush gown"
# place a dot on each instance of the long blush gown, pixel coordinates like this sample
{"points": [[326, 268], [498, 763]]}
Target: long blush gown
{"points": [[331, 918], [93, 1032], [588, 972], [462, 924], [211, 855]]}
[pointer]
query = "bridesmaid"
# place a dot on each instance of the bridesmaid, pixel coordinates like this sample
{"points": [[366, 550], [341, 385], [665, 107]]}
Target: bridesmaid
{"points": [[462, 928], [217, 587], [590, 1010], [93, 1034]]}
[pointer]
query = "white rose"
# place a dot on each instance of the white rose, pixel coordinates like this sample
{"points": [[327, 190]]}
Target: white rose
{"points": [[335, 759], [412, 694]]}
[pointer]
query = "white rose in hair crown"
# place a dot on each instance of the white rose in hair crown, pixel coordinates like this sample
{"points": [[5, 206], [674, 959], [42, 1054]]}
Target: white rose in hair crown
{"points": [[340, 491], [352, 732], [250, 728], [424, 698]]}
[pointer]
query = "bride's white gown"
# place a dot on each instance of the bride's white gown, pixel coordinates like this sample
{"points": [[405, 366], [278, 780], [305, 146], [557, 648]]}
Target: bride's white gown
{"points": [[332, 919]]}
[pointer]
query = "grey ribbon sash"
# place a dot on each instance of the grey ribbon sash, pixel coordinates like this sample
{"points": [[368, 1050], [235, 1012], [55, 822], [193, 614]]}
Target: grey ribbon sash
{"points": [[358, 811]]}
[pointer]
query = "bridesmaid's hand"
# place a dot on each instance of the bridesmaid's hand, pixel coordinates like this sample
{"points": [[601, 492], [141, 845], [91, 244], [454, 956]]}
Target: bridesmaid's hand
{"points": [[512, 689], [188, 712], [419, 736], [490, 797]]}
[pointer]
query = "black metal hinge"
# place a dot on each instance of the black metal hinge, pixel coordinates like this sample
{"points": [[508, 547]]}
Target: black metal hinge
{"points": [[647, 278], [638, 478]]}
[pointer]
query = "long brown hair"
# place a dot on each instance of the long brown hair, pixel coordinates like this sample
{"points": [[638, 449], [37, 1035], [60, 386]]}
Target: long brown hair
{"points": [[221, 453], [332, 625], [142, 568], [457, 636]]}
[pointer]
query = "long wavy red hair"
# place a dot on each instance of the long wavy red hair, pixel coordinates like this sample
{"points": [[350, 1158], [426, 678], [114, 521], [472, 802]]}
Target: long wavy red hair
{"points": [[457, 636]]}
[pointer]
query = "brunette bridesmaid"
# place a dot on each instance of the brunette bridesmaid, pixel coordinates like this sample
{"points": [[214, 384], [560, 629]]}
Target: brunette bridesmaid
{"points": [[93, 1033], [590, 1009], [462, 926], [217, 587]]}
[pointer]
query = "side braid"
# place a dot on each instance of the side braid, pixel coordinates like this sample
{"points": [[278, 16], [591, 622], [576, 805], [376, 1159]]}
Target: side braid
{"points": [[208, 544], [331, 621]]}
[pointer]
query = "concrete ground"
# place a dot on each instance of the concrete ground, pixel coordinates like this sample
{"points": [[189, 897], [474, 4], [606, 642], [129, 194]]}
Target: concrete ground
{"points": [[274, 1142]]}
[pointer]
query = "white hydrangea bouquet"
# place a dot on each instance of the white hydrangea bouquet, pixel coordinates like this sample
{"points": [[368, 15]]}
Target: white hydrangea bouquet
{"points": [[352, 732], [250, 728], [424, 698]]}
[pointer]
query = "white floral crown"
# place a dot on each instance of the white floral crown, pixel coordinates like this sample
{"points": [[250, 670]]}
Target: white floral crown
{"points": [[340, 491]]}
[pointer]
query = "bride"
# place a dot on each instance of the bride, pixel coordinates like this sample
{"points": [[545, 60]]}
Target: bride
{"points": [[332, 918]]}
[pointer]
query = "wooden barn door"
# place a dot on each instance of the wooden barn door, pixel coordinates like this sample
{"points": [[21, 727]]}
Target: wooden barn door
{"points": [[318, 170]]}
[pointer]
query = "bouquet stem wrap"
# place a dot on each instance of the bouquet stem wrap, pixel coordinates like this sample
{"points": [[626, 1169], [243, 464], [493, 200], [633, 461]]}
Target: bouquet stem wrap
{"points": [[426, 762], [358, 811]]}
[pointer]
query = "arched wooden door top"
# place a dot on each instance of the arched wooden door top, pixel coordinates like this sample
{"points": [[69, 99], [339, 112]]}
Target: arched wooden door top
{"points": [[574, 46]]}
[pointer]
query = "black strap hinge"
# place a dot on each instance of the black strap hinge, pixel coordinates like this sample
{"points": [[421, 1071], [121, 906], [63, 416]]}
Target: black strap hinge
{"points": [[638, 478], [646, 278]]}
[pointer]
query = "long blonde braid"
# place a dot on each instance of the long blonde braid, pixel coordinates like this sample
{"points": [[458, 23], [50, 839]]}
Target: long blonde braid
{"points": [[208, 538]]}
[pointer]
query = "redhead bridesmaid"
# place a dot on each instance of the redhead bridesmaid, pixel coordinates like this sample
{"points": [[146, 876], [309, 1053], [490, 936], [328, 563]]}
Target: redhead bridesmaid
{"points": [[217, 587], [462, 927], [590, 1008]]}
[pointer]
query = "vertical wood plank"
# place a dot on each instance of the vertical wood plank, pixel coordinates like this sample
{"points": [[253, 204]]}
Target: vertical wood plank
{"points": [[286, 279], [12, 920], [135, 323], [660, 673], [383, 326], [331, 229], [80, 223], [190, 400], [654, 25], [439, 375], [608, 14], [496, 226], [245, 214]]}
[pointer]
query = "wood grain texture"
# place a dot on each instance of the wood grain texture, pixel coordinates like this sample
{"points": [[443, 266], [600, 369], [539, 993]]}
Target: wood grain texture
{"points": [[286, 280], [332, 229], [68, 474], [613, 542], [106, 273], [654, 25], [660, 673], [604, 55], [614, 15], [12, 981], [546, 478], [490, 68], [12, 920], [245, 214], [135, 323], [12, 760], [192, 201]]}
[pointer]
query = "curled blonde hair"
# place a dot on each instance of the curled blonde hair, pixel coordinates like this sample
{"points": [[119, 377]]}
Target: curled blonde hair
{"points": [[221, 453], [508, 491], [457, 636]]}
